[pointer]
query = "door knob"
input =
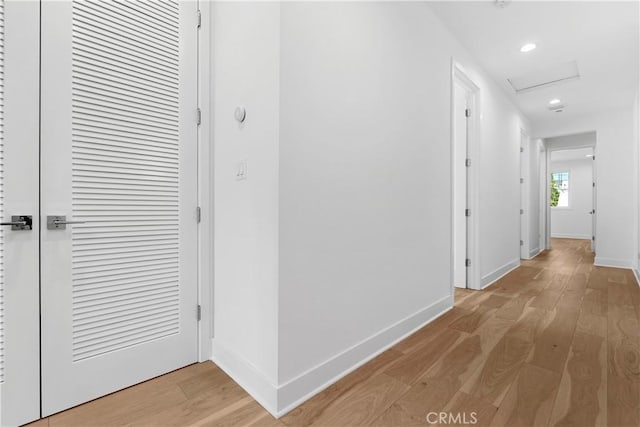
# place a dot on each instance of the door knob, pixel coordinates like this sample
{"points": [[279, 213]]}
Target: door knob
{"points": [[59, 222], [20, 222]]}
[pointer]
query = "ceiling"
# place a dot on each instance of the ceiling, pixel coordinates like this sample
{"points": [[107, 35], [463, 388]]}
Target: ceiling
{"points": [[602, 36]]}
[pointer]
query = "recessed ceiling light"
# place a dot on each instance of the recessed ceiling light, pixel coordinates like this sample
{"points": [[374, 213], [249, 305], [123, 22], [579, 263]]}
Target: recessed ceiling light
{"points": [[554, 101], [528, 47], [589, 155]]}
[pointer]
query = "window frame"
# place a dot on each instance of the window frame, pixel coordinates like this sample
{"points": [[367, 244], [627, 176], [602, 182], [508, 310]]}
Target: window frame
{"points": [[569, 173]]}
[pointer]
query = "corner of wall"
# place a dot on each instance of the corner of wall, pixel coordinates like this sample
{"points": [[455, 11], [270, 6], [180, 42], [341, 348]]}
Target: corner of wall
{"points": [[247, 376], [499, 273]]}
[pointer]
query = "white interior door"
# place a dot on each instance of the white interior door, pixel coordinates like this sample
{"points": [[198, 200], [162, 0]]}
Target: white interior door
{"points": [[19, 286], [119, 158]]}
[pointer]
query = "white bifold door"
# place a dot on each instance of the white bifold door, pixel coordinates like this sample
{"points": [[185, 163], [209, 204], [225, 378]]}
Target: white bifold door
{"points": [[117, 191]]}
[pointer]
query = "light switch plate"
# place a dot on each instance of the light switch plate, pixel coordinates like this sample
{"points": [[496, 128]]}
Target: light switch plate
{"points": [[241, 170]]}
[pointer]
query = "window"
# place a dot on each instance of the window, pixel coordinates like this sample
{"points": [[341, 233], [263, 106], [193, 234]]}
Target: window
{"points": [[560, 189]]}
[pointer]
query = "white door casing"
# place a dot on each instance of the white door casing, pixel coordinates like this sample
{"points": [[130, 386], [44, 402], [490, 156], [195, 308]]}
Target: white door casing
{"points": [[594, 200], [119, 150], [460, 204], [19, 287], [524, 195], [460, 81]]}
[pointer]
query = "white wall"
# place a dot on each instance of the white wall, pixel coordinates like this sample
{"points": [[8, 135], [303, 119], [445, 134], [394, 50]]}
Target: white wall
{"points": [[574, 221], [246, 67], [614, 176], [365, 217], [338, 243]]}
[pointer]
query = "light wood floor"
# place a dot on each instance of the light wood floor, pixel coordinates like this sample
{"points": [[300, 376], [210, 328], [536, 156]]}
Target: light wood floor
{"points": [[555, 342]]}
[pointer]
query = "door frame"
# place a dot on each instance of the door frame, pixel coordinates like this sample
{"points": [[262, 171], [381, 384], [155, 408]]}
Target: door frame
{"points": [[205, 184], [547, 185], [459, 76], [524, 194]]}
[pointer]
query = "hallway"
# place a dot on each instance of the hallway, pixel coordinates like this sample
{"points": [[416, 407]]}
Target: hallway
{"points": [[555, 342]]}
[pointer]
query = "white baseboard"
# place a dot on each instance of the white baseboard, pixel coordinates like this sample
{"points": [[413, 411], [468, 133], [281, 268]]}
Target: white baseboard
{"points": [[497, 274], [303, 387], [571, 236], [613, 262], [637, 274], [279, 400], [247, 376], [534, 252]]}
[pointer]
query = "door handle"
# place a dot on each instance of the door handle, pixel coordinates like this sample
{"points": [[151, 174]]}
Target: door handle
{"points": [[59, 222], [20, 222]]}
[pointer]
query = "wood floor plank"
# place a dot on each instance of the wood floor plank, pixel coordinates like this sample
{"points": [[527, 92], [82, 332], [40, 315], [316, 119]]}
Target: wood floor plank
{"points": [[501, 367], [442, 382], [395, 415], [598, 279], [251, 414], [529, 326], [571, 299], [552, 346], [313, 408], [465, 410], [205, 381], [124, 407], [445, 378], [581, 397], [213, 396], [595, 301], [430, 331], [623, 359], [591, 324], [495, 301], [472, 320], [364, 403], [473, 301], [410, 367], [529, 400], [577, 282], [547, 299], [513, 309]]}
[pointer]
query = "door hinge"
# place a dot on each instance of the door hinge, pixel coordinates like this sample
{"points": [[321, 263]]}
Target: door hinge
{"points": [[198, 214], [593, 157], [467, 163], [467, 212], [198, 116], [199, 312], [593, 238], [521, 211], [467, 112], [594, 184], [522, 149], [521, 242], [199, 19], [521, 180], [467, 262]]}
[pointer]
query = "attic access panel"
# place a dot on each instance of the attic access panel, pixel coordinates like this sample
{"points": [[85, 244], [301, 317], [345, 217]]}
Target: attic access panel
{"points": [[556, 74]]}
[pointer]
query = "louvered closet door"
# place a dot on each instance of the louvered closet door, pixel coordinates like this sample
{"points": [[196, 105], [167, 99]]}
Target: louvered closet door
{"points": [[119, 155], [19, 287]]}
